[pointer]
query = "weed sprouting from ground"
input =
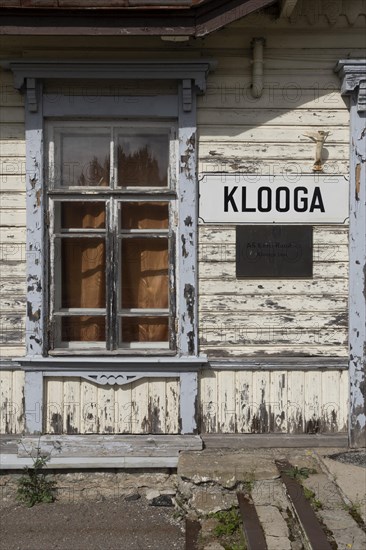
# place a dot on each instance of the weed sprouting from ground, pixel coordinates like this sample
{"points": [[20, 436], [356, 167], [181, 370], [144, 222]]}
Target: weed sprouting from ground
{"points": [[311, 497], [228, 529], [299, 473], [228, 522], [354, 511], [33, 486]]}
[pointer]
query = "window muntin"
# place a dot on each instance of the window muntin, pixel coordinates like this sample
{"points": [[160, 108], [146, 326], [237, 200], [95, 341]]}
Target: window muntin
{"points": [[112, 264]]}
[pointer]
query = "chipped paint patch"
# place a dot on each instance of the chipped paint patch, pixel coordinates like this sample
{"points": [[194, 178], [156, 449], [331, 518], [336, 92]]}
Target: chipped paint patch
{"points": [[33, 316], [184, 249], [56, 423]]}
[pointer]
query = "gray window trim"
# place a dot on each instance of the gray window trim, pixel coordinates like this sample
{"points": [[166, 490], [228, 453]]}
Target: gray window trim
{"points": [[128, 106], [28, 77], [194, 71]]}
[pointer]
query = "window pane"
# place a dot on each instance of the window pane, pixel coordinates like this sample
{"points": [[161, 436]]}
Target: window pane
{"points": [[83, 328], [144, 329], [84, 160], [143, 160], [144, 215], [83, 273], [83, 215], [145, 273]]}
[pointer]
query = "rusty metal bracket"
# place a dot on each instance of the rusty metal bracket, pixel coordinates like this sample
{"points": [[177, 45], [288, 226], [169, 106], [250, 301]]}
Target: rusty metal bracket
{"points": [[253, 531], [304, 512], [193, 528]]}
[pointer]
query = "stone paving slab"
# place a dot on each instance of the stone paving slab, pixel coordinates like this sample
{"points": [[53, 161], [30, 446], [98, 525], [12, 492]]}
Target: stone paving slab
{"points": [[346, 533], [325, 491], [272, 521], [278, 543], [269, 493], [351, 480]]}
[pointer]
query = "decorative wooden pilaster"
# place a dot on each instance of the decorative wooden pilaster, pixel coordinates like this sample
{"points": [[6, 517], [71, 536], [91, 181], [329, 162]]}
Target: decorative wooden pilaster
{"points": [[353, 75], [35, 218]]}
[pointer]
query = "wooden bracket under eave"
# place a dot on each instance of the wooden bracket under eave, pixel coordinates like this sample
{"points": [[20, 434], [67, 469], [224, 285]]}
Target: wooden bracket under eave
{"points": [[187, 94], [32, 96]]}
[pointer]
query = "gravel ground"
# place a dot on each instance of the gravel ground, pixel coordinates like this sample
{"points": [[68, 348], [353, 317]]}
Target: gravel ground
{"points": [[116, 525], [357, 458]]}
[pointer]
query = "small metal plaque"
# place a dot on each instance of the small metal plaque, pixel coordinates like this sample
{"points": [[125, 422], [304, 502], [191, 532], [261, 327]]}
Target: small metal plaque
{"points": [[274, 251]]}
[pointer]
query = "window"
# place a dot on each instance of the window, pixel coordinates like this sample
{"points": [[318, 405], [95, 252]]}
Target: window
{"points": [[112, 203], [111, 210]]}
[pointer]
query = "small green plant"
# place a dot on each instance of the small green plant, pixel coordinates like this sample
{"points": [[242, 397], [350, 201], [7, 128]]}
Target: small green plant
{"points": [[228, 522], [248, 483], [354, 511], [299, 473], [227, 529], [310, 495], [33, 487]]}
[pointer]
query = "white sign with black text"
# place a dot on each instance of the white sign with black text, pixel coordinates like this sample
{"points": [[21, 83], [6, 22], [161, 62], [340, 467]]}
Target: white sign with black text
{"points": [[252, 198]]}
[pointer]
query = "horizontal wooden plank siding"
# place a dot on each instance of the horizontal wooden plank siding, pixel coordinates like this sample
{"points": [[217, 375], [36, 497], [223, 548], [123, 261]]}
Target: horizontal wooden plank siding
{"points": [[12, 226], [12, 402], [238, 134], [253, 317], [75, 406], [273, 401], [239, 318]]}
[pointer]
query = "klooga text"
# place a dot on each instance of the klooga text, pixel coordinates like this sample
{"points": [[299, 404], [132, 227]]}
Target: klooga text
{"points": [[280, 199]]}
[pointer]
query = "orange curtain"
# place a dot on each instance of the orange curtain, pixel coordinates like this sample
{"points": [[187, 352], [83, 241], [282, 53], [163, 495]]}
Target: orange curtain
{"points": [[145, 273], [83, 271]]}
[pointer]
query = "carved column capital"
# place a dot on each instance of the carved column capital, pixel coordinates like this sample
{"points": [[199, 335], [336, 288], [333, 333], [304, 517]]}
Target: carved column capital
{"points": [[352, 73]]}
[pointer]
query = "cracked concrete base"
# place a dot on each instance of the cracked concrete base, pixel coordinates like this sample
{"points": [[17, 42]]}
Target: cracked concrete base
{"points": [[226, 468], [208, 500]]}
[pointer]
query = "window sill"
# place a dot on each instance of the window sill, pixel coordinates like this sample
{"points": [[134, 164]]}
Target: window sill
{"points": [[126, 352], [120, 363]]}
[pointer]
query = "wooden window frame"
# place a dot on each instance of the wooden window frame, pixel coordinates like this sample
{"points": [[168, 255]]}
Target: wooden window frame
{"points": [[29, 77], [113, 197]]}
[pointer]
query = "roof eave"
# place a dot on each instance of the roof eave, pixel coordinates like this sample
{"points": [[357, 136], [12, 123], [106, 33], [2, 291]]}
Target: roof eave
{"points": [[198, 21]]}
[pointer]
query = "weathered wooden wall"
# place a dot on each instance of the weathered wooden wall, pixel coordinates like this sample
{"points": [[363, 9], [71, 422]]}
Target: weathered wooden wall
{"points": [[240, 134], [241, 317], [11, 402], [12, 219], [237, 133], [278, 401], [230, 402], [77, 406]]}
